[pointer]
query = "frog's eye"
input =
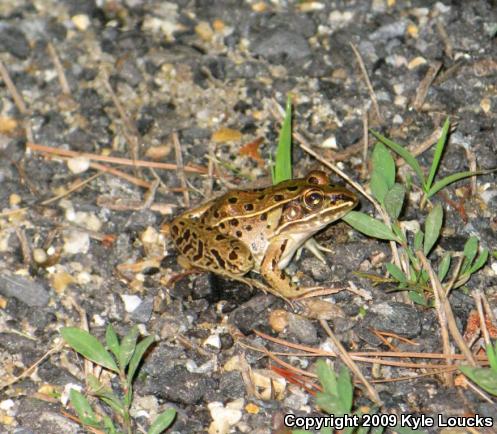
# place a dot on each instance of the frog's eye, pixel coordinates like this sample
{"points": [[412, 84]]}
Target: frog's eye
{"points": [[313, 199], [293, 212], [317, 177]]}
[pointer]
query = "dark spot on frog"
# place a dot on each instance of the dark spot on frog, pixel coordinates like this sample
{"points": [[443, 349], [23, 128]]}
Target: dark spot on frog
{"points": [[261, 197], [187, 248], [222, 225], [182, 223], [273, 264], [220, 237], [233, 255], [233, 199], [219, 260], [186, 235], [263, 216], [292, 188], [200, 251], [174, 230], [278, 197], [248, 207], [248, 228], [283, 246], [234, 222], [216, 214], [238, 234]]}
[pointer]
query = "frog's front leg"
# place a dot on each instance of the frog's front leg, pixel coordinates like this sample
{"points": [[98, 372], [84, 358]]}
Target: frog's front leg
{"points": [[280, 283]]}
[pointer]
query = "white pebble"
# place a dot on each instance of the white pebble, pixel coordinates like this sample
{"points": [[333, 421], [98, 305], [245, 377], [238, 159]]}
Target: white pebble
{"points": [[76, 242], [81, 21], [39, 255], [213, 341], [6, 405], [78, 164], [131, 302]]}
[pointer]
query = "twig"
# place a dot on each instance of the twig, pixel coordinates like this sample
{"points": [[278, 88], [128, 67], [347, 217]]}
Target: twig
{"points": [[29, 370], [180, 169], [488, 309], [25, 248], [373, 394], [483, 324], [59, 69], [18, 100], [449, 51], [470, 155], [425, 84], [445, 310], [372, 94], [113, 160]]}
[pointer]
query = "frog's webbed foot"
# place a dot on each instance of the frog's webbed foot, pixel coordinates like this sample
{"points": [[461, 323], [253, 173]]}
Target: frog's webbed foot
{"points": [[315, 248]]}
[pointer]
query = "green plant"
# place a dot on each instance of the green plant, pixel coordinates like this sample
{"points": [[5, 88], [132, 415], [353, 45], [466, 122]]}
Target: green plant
{"points": [[337, 399], [123, 359], [282, 169], [406, 270], [426, 183], [486, 378]]}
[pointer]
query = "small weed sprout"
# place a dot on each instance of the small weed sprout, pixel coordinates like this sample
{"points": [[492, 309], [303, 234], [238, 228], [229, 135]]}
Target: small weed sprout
{"points": [[123, 359]]}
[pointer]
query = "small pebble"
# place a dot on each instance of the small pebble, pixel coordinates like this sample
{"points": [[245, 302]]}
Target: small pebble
{"points": [[131, 302], [39, 255], [78, 164], [76, 242], [81, 21]]}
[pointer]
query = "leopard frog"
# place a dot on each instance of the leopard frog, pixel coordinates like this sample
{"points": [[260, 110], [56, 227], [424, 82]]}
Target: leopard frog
{"points": [[259, 230]]}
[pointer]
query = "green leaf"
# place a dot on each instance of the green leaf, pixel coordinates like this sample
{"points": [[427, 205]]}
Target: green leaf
{"points": [[88, 346], [492, 356], [378, 186], [112, 341], [438, 153], [345, 389], [453, 178], [369, 226], [128, 345], [484, 377], [109, 425], [383, 164], [162, 421], [140, 350], [327, 377], [394, 200], [470, 251], [443, 267], [404, 153], [433, 224], [417, 298], [418, 240], [83, 408], [283, 160], [480, 262], [396, 272], [330, 404]]}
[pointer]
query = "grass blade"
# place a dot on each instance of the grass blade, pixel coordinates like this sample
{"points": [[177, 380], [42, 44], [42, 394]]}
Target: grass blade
{"points": [[379, 186], [283, 161], [88, 346], [453, 178], [480, 262], [404, 153], [112, 341], [140, 350], [433, 224], [162, 421], [438, 153], [444, 266], [327, 377], [345, 389], [369, 226], [396, 272]]}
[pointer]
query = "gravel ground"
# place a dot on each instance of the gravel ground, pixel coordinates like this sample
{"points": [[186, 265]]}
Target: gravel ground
{"points": [[120, 78]]}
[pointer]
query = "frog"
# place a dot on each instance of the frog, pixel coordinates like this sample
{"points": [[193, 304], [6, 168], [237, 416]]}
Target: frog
{"points": [[259, 230]]}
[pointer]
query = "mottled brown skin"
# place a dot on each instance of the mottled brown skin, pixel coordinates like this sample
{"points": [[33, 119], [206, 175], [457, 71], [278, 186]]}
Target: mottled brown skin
{"points": [[259, 230]]}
